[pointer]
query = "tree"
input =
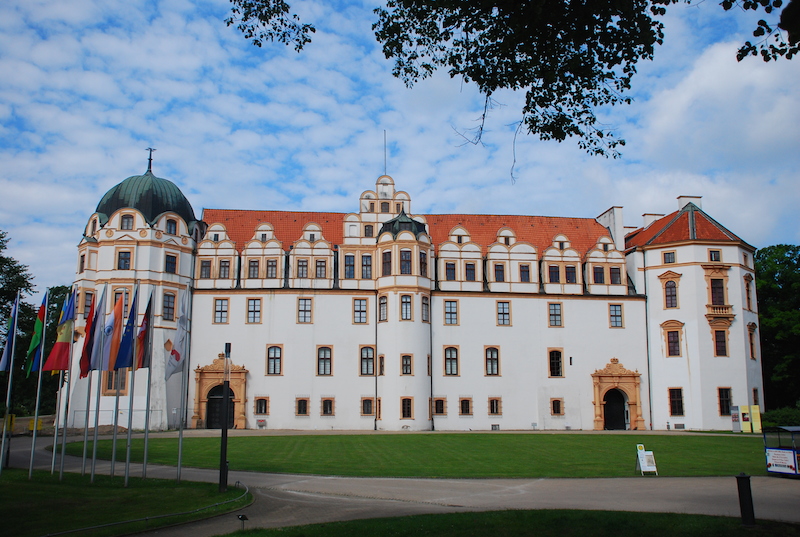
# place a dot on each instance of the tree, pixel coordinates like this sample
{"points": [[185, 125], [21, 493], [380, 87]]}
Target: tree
{"points": [[570, 57], [14, 277], [778, 287]]}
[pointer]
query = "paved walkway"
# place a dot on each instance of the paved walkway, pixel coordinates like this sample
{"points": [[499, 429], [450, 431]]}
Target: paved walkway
{"points": [[286, 499]]}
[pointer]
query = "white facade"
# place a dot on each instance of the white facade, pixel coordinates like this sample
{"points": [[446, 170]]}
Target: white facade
{"points": [[382, 320]]}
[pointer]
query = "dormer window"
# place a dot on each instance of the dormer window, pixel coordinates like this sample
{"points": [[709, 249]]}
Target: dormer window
{"points": [[263, 237], [605, 247], [405, 226], [126, 222], [172, 227], [215, 237], [94, 227], [384, 206], [459, 239], [312, 237], [560, 245], [507, 240]]}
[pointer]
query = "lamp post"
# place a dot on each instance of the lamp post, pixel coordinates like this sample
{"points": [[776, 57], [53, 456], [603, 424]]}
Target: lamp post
{"points": [[223, 450]]}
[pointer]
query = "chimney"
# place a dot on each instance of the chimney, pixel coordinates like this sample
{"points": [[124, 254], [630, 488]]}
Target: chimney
{"points": [[684, 200], [649, 218]]}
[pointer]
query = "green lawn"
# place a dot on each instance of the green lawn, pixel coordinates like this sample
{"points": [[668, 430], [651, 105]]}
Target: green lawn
{"points": [[46, 505], [556, 523], [461, 455]]}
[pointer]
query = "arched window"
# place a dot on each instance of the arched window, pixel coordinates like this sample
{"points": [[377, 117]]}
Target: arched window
{"points": [[126, 221], [367, 361], [274, 361], [671, 294], [492, 361], [451, 361], [324, 361]]}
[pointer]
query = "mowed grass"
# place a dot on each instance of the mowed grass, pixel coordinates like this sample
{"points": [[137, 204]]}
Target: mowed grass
{"points": [[45, 505], [477, 455], [556, 523]]}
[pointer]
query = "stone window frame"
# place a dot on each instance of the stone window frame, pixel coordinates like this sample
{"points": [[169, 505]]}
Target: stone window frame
{"points": [[672, 325]]}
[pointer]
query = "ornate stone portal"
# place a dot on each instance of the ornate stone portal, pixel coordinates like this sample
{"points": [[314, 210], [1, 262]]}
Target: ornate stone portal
{"points": [[211, 376], [615, 376]]}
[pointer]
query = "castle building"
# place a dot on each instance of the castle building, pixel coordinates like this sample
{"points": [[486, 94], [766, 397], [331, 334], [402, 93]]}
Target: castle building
{"points": [[387, 319]]}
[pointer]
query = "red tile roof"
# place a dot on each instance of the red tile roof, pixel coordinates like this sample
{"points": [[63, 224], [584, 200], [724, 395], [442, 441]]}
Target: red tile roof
{"points": [[583, 233], [690, 223]]}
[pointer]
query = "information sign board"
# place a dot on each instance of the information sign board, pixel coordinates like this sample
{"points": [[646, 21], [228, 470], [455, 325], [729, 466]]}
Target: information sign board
{"points": [[781, 461], [645, 460]]}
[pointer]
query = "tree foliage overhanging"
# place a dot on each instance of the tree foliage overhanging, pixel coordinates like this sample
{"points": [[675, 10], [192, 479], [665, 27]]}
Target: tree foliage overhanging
{"points": [[569, 57]]}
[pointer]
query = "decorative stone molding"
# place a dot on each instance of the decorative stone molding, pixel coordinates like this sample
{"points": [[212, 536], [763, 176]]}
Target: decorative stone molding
{"points": [[212, 375], [615, 376]]}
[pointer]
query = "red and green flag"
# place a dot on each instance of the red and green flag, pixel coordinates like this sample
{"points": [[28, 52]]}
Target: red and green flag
{"points": [[34, 357]]}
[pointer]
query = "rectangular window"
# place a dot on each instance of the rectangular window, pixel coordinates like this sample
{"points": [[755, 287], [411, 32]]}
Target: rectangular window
{"points": [[724, 401], [221, 310], [616, 275], [556, 364], [673, 343], [82, 266], [366, 267], [503, 313], [720, 343], [262, 406], [450, 312], [751, 340], [451, 361], [525, 273], [755, 396], [383, 308], [302, 268], [676, 402], [170, 264], [405, 403], [495, 406], [405, 261], [555, 314], [303, 310], [387, 264], [253, 310], [272, 268], [571, 274], [492, 361], [88, 298], [168, 312], [368, 228], [465, 407], [599, 274], [717, 292], [450, 271], [469, 272], [426, 309], [671, 294], [499, 272], [423, 264], [322, 271], [439, 407], [172, 227], [349, 267], [123, 261], [360, 310], [205, 268], [367, 361], [127, 221], [557, 407], [367, 407], [274, 356], [405, 307], [224, 269], [124, 294], [714, 255], [615, 315], [553, 274], [252, 269], [669, 257], [324, 361], [327, 407], [112, 380], [302, 407], [405, 362]]}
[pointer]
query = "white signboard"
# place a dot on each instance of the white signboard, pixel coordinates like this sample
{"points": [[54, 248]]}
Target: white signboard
{"points": [[781, 461], [645, 460]]}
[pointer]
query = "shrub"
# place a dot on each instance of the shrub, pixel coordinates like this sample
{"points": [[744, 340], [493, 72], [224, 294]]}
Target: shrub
{"points": [[781, 417]]}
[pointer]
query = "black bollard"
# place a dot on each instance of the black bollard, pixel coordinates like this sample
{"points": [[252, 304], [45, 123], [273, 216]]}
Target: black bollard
{"points": [[745, 500]]}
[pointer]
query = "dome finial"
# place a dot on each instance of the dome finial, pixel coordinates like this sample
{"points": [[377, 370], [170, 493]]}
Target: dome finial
{"points": [[150, 160]]}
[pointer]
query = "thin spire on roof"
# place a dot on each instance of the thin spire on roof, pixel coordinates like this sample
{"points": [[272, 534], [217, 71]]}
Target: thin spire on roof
{"points": [[150, 160]]}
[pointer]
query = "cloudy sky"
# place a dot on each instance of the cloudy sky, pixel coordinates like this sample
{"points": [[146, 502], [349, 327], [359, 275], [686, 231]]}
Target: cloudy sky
{"points": [[88, 85]]}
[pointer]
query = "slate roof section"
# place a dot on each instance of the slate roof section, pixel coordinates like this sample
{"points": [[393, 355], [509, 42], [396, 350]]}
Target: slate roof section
{"points": [[583, 233], [689, 223]]}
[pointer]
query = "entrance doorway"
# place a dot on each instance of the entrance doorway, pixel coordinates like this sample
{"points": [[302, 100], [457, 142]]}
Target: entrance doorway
{"points": [[214, 408], [614, 410]]}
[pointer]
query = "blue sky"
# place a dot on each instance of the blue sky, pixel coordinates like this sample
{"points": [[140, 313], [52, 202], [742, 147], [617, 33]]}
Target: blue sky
{"points": [[88, 85]]}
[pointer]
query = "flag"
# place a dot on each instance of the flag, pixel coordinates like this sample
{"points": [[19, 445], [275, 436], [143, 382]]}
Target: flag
{"points": [[58, 360], [145, 337], [112, 332], [176, 352], [88, 341], [34, 356], [5, 360], [96, 350], [125, 356]]}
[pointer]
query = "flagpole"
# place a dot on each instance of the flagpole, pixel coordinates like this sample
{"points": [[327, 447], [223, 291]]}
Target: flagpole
{"points": [[56, 422], [99, 383], [147, 417], [14, 310], [184, 378], [132, 370], [86, 420], [180, 422], [39, 382], [68, 377], [116, 422], [147, 357]]}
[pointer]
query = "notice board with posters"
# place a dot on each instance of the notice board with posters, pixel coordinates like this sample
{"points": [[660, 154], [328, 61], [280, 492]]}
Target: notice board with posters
{"points": [[645, 460]]}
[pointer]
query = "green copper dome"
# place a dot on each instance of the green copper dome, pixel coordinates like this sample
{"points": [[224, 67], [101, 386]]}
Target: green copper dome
{"points": [[403, 222], [150, 195]]}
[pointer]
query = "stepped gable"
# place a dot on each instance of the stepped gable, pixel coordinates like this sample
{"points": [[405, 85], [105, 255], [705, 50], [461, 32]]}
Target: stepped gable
{"points": [[689, 223], [288, 226], [583, 233]]}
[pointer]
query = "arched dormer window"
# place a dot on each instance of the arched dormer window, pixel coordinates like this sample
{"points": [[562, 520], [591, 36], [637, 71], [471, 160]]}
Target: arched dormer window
{"points": [[126, 222], [172, 227]]}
